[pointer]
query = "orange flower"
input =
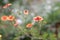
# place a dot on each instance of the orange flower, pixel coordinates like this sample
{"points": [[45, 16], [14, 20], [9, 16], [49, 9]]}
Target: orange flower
{"points": [[26, 12], [11, 18], [38, 18], [7, 5], [29, 25], [4, 18]]}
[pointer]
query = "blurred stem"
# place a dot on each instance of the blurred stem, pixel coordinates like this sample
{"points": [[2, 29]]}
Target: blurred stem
{"points": [[40, 24], [21, 29]]}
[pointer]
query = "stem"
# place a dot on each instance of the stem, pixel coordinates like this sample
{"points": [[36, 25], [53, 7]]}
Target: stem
{"points": [[40, 24]]}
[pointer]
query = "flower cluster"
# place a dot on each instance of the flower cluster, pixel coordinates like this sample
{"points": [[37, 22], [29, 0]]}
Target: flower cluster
{"points": [[36, 19], [5, 18], [26, 12]]}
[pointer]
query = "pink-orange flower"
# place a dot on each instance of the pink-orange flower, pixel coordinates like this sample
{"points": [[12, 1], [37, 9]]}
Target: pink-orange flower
{"points": [[26, 12], [11, 18], [7, 5], [29, 25], [4, 18], [38, 18]]}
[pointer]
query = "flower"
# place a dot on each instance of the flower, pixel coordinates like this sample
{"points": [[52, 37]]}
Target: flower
{"points": [[26, 12], [4, 18], [7, 5], [38, 18], [29, 25], [11, 18]]}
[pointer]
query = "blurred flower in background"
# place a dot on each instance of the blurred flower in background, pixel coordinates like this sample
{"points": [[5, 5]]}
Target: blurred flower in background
{"points": [[11, 18], [7, 5], [29, 25], [26, 12], [4, 18], [38, 18]]}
